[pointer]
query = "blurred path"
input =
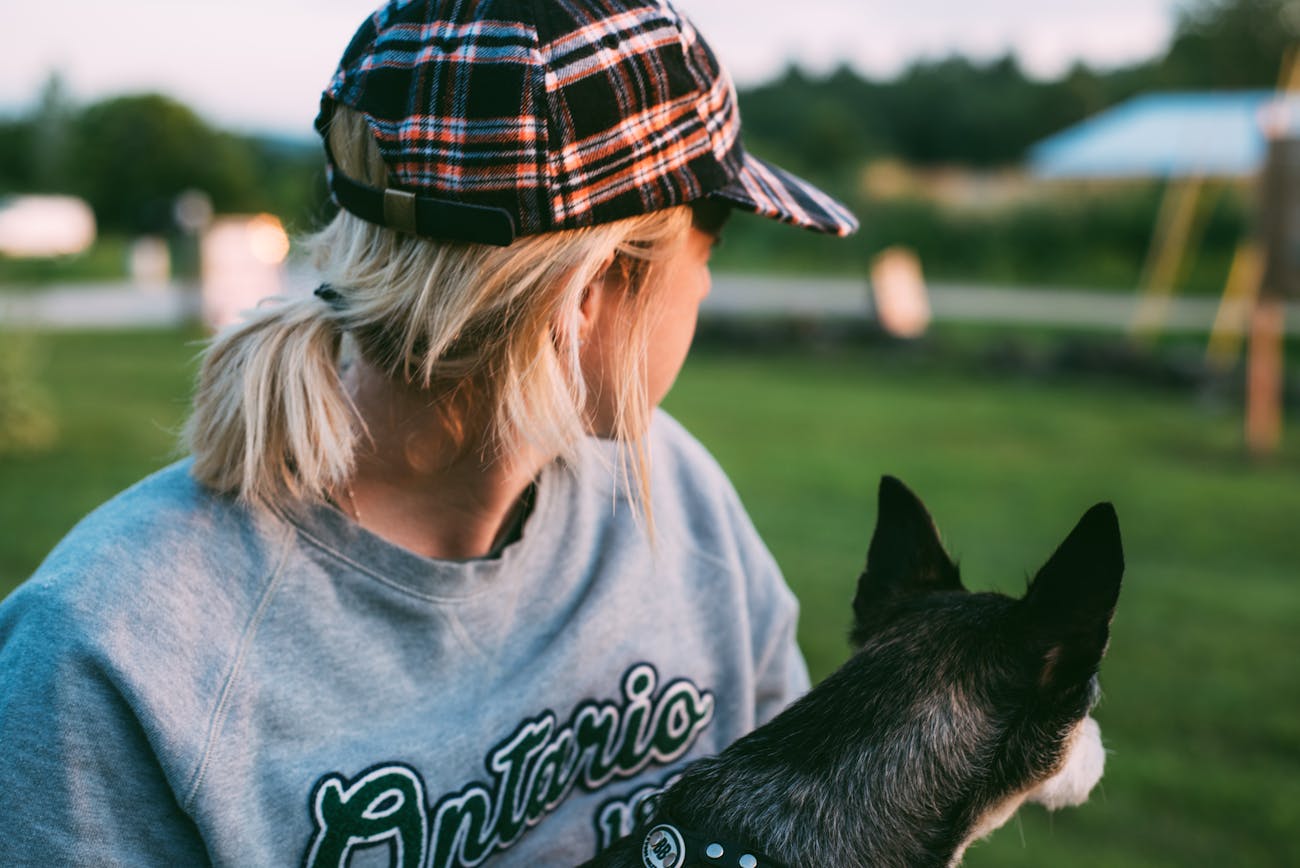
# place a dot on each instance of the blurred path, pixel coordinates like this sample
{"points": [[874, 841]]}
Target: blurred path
{"points": [[752, 295], [98, 306], [108, 306]]}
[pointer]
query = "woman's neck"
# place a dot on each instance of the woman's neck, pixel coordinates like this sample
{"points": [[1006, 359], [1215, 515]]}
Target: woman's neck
{"points": [[424, 477]]}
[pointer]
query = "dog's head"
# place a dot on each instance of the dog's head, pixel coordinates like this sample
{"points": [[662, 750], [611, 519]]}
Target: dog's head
{"points": [[955, 709], [986, 695]]}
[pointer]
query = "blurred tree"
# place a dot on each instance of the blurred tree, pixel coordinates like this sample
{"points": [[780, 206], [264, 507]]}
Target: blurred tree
{"points": [[16, 137], [815, 126], [1231, 43], [954, 110], [33, 149], [50, 137], [131, 155]]}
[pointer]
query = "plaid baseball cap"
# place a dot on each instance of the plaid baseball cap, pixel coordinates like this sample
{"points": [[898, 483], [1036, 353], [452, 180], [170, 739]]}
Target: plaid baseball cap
{"points": [[504, 118]]}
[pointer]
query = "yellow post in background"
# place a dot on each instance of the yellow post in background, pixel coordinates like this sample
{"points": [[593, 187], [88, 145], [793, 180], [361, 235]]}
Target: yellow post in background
{"points": [[1264, 378], [1263, 273], [1238, 300], [1164, 260]]}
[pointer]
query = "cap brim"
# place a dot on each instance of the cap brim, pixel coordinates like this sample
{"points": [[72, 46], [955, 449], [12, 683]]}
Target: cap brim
{"points": [[770, 191]]}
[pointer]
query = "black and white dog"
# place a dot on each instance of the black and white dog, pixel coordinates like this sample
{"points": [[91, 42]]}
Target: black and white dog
{"points": [[955, 709]]}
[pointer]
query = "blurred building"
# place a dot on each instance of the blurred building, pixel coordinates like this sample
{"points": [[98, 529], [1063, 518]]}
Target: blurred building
{"points": [[43, 226], [1169, 135]]}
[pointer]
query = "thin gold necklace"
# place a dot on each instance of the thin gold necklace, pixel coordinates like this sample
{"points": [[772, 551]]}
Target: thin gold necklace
{"points": [[352, 501]]}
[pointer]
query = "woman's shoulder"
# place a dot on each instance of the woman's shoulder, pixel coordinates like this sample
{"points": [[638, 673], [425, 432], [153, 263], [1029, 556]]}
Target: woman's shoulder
{"points": [[694, 500], [165, 551], [167, 523], [135, 622], [682, 460], [698, 511]]}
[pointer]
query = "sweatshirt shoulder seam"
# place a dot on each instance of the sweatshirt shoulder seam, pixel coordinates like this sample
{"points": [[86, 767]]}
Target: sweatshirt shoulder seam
{"points": [[236, 668]]}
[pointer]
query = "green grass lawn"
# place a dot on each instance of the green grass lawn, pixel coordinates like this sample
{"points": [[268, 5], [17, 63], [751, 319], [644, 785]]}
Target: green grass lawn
{"points": [[1201, 712]]}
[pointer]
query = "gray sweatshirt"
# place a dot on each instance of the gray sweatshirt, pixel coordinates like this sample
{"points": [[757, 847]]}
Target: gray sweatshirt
{"points": [[188, 680]]}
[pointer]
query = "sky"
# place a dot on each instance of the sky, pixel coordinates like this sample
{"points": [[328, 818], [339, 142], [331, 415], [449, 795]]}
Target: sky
{"points": [[259, 65]]}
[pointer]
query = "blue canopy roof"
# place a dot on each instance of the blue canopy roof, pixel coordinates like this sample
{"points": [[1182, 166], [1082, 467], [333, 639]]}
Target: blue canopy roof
{"points": [[1168, 135]]}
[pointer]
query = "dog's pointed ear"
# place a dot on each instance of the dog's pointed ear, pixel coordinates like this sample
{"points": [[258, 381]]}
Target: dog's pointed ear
{"points": [[906, 555], [1069, 605]]}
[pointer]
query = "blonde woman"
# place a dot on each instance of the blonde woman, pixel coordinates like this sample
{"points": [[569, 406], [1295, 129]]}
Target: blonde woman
{"points": [[439, 585]]}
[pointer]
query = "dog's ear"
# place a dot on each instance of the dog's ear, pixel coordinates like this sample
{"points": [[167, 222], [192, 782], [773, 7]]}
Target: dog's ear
{"points": [[905, 557], [1069, 605]]}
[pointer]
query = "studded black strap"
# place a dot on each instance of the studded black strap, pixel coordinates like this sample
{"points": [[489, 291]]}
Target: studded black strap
{"points": [[668, 845]]}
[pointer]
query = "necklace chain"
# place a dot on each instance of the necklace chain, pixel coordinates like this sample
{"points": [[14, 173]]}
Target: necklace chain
{"points": [[352, 501]]}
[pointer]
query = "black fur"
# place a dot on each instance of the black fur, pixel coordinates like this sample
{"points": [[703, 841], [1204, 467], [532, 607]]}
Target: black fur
{"points": [[953, 704]]}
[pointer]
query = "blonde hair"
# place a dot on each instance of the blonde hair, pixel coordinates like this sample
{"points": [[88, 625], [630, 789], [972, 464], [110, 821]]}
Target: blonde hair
{"points": [[491, 331]]}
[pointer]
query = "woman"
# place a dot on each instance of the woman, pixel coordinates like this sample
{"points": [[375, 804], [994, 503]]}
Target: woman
{"points": [[438, 583]]}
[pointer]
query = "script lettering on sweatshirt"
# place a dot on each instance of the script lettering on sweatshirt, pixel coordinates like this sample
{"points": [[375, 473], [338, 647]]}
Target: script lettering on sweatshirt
{"points": [[530, 773]]}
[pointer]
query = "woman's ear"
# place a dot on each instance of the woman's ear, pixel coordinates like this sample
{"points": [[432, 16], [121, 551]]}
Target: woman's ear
{"points": [[598, 292], [589, 307]]}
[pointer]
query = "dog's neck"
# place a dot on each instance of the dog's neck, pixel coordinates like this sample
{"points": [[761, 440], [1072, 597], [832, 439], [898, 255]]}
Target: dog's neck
{"points": [[808, 797]]}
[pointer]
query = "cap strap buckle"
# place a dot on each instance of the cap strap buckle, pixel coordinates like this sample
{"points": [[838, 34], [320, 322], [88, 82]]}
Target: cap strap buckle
{"points": [[425, 216], [399, 210]]}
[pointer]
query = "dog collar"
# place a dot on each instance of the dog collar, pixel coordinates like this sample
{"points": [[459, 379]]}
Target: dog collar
{"points": [[667, 845]]}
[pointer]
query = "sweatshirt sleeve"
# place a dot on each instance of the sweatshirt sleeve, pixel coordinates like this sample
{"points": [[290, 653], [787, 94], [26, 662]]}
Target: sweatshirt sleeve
{"points": [[781, 675], [717, 521], [81, 783]]}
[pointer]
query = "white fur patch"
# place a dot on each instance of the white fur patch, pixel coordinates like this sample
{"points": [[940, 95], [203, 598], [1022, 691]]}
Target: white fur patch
{"points": [[1080, 772], [995, 818]]}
